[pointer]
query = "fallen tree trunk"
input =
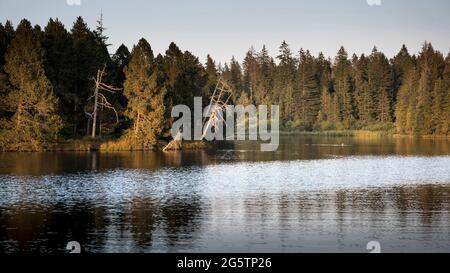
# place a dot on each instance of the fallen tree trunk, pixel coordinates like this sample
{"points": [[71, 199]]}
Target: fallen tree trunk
{"points": [[175, 144]]}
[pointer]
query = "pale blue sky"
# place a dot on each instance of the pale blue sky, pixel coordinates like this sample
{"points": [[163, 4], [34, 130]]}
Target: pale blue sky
{"points": [[229, 27]]}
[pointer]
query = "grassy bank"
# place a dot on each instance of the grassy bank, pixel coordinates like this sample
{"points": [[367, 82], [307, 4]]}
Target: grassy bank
{"points": [[105, 145], [127, 145], [344, 133], [116, 145]]}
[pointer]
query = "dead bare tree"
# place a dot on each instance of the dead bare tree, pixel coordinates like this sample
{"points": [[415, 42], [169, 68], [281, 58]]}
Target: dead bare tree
{"points": [[217, 106], [100, 100]]}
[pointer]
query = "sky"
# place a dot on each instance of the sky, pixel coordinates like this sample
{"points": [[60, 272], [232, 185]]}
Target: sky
{"points": [[228, 28]]}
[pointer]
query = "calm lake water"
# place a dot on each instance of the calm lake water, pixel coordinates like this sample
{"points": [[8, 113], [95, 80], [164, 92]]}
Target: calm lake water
{"points": [[315, 194]]}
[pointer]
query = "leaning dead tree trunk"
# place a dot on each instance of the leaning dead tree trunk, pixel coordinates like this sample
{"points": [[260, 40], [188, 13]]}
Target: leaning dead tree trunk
{"points": [[217, 106], [100, 100]]}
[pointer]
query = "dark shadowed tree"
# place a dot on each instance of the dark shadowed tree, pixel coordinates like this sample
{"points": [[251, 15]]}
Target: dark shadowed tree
{"points": [[31, 98]]}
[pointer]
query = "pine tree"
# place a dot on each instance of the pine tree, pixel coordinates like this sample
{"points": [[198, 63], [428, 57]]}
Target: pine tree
{"points": [[381, 86], [401, 64], [442, 101], [404, 101], [440, 119], [145, 90], [86, 63], [424, 100], [35, 118], [173, 63], [6, 35], [264, 85], [59, 66], [186, 76], [431, 67], [364, 99], [4, 90], [192, 80], [343, 87], [212, 76], [308, 84], [324, 75], [251, 73], [236, 78], [119, 62], [284, 83]]}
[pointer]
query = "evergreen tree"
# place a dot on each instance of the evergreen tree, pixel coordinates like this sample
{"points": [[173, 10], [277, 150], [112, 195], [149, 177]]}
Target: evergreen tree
{"points": [[192, 80], [35, 120], [424, 100], [212, 77], [251, 73], [6, 35], [326, 99], [119, 62], [441, 103], [343, 87], [284, 83], [308, 84], [401, 64], [264, 84], [405, 102], [59, 66], [440, 119], [84, 68], [145, 90], [431, 66], [381, 86], [236, 78], [186, 76], [364, 100]]}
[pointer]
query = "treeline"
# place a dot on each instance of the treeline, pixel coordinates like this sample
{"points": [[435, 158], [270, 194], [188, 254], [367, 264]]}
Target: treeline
{"points": [[371, 92], [47, 82]]}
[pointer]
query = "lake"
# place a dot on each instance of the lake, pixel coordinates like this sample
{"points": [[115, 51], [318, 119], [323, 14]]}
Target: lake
{"points": [[315, 194]]}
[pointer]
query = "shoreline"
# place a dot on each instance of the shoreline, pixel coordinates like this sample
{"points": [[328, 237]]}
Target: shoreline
{"points": [[108, 145]]}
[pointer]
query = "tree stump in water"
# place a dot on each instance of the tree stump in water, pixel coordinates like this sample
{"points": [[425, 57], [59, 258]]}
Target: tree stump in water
{"points": [[175, 144]]}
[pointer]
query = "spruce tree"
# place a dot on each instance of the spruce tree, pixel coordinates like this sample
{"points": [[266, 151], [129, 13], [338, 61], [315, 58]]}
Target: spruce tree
{"points": [[440, 119], [212, 77], [186, 76], [264, 84], [251, 73], [284, 82], [119, 62], [381, 86], [145, 90], [59, 67], [431, 67], [35, 120], [423, 107], [308, 85], [364, 101], [6, 35], [401, 64], [404, 101], [343, 86], [324, 75], [90, 54], [236, 78]]}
